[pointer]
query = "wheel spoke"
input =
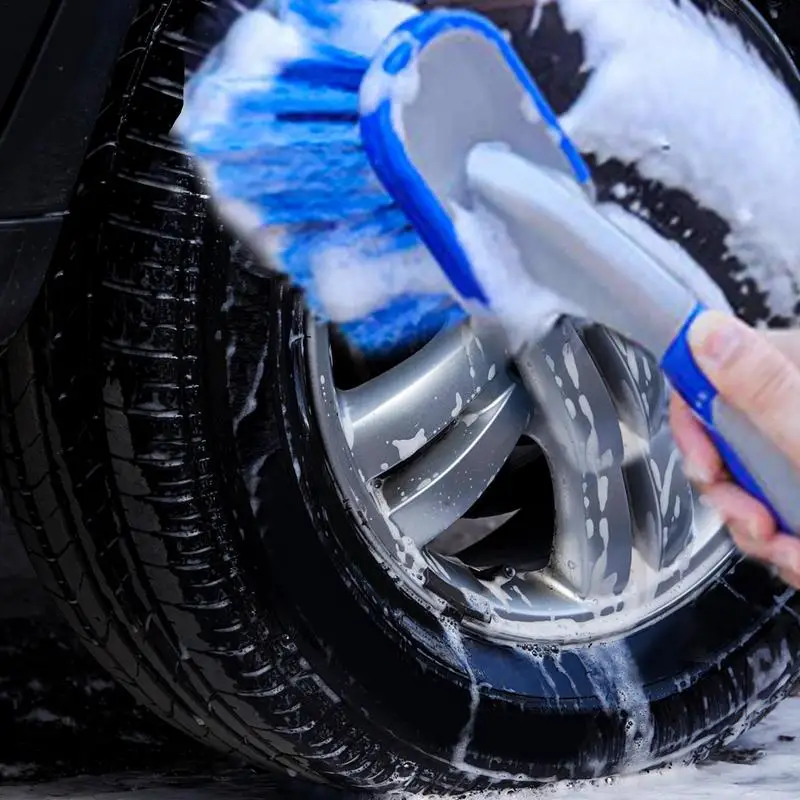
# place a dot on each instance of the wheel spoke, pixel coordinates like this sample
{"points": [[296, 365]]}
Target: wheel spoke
{"points": [[594, 540], [419, 446], [428, 493], [582, 438], [662, 503], [390, 418], [634, 381], [661, 498]]}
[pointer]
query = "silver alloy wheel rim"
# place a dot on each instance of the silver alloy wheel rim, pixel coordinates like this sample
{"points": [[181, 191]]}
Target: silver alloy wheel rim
{"points": [[415, 448]]}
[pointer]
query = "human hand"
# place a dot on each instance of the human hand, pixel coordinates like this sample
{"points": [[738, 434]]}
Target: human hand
{"points": [[758, 372]]}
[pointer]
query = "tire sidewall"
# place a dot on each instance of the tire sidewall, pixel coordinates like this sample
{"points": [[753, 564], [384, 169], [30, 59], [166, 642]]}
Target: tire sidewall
{"points": [[392, 663]]}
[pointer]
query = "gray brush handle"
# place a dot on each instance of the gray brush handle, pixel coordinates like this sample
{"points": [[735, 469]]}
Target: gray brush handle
{"points": [[775, 479]]}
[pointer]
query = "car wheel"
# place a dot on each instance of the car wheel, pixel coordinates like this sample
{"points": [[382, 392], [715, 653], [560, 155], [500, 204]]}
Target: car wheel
{"points": [[375, 575]]}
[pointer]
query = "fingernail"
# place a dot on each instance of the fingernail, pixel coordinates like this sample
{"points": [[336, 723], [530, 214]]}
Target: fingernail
{"points": [[716, 339]]}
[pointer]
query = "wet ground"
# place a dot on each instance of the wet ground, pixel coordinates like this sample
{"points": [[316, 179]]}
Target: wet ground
{"points": [[66, 731]]}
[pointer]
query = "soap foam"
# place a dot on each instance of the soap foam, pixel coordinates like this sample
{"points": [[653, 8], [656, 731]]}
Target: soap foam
{"points": [[454, 638], [681, 94], [614, 675], [402, 87], [364, 25], [352, 285], [762, 764], [255, 50], [528, 310]]}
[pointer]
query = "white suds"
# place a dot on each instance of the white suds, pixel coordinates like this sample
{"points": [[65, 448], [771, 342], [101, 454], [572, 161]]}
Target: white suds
{"points": [[407, 447], [528, 310], [364, 26], [571, 365], [683, 96], [258, 44], [255, 49], [347, 425], [453, 635], [615, 677], [402, 87], [351, 285], [762, 765]]}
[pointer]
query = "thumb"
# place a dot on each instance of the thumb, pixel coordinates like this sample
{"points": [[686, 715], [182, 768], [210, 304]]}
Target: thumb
{"points": [[752, 375]]}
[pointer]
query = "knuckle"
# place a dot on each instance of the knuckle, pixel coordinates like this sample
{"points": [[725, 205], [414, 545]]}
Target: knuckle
{"points": [[742, 538], [790, 578]]}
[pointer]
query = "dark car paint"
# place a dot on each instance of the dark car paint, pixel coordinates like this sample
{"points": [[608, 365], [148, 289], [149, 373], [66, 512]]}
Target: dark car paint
{"points": [[55, 61]]}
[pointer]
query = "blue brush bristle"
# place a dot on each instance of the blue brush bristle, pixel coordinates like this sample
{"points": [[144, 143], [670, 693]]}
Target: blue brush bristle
{"points": [[279, 136]]}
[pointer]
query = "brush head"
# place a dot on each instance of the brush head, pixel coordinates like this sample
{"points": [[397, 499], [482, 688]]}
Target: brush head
{"points": [[444, 84], [465, 141], [272, 120]]}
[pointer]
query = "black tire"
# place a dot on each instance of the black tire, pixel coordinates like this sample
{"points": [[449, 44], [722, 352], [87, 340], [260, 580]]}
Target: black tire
{"points": [[153, 410]]}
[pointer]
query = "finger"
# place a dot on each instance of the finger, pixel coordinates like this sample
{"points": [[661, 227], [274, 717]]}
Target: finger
{"points": [[784, 552], [790, 579], [753, 548], [701, 461], [788, 342], [752, 375], [751, 525]]}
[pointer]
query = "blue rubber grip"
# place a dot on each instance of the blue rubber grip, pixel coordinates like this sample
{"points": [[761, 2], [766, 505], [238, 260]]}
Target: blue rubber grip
{"points": [[700, 394]]}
